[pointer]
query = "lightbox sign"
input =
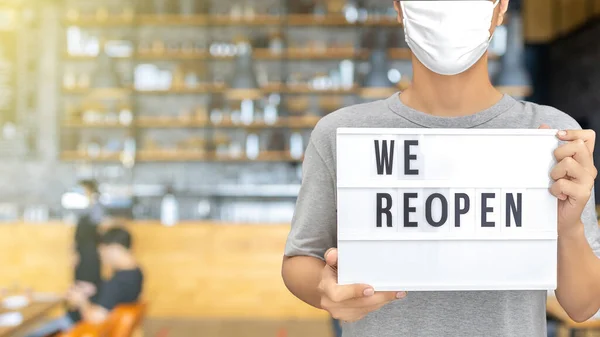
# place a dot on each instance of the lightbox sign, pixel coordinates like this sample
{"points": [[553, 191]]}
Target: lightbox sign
{"points": [[446, 209]]}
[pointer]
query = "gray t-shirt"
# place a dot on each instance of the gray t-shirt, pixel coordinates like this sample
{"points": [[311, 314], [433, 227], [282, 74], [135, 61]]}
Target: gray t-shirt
{"points": [[426, 314]]}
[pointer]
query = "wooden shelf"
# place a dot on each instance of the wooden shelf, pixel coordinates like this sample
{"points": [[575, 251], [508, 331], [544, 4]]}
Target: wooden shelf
{"points": [[173, 56], [82, 156], [171, 155], [168, 122], [192, 155], [102, 93], [203, 88], [256, 20], [71, 57], [290, 54], [383, 21], [317, 20], [94, 21], [175, 122], [299, 20], [173, 20], [96, 125], [305, 89]]}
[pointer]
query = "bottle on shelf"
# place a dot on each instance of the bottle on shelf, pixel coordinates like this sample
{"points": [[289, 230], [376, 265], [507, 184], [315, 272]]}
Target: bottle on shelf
{"points": [[188, 7], [296, 145], [106, 75], [169, 209], [125, 115], [252, 146]]}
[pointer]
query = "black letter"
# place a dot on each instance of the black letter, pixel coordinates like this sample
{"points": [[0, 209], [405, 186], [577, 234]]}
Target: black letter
{"points": [[516, 209], [381, 210], [382, 158], [444, 210], [408, 157], [460, 211], [407, 208], [485, 209]]}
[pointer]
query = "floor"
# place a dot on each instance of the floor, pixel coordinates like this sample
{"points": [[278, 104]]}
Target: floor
{"points": [[220, 328]]}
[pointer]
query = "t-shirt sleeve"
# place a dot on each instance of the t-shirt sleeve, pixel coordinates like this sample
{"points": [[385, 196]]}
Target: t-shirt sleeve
{"points": [[314, 223], [109, 296], [590, 221]]}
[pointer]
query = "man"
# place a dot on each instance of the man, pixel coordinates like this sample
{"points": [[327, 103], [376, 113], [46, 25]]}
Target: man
{"points": [[450, 89], [123, 287]]}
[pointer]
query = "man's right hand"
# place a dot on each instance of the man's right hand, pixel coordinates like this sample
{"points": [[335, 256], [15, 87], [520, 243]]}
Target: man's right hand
{"points": [[349, 303]]}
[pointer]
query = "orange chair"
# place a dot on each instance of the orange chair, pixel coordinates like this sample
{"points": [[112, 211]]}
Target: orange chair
{"points": [[82, 330], [122, 322]]}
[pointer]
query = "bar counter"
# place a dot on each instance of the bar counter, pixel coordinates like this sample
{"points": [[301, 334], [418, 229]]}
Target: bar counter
{"points": [[192, 270]]}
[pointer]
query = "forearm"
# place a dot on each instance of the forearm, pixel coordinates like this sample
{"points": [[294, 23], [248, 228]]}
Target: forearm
{"points": [[578, 288], [85, 309], [301, 275]]}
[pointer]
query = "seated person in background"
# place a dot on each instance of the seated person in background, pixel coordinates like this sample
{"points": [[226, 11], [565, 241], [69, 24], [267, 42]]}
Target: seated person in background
{"points": [[123, 287]]}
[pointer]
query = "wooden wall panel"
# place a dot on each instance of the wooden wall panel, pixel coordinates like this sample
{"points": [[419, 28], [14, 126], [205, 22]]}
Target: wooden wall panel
{"points": [[545, 20], [572, 14], [192, 270], [36, 256], [538, 20]]}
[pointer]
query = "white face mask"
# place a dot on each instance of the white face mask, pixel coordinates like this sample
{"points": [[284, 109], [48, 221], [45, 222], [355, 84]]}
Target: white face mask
{"points": [[448, 37]]}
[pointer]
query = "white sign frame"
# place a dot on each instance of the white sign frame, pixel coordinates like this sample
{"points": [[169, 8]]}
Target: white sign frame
{"points": [[390, 256]]}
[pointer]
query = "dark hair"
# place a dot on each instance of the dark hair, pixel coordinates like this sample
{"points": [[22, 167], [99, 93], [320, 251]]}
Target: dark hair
{"points": [[90, 184], [117, 236]]}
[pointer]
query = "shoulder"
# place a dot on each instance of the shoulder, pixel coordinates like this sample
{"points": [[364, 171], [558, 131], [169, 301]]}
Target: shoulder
{"points": [[553, 117], [351, 116]]}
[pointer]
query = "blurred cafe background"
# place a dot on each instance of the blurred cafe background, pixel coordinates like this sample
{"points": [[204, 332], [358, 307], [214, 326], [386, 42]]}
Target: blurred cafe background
{"points": [[193, 116]]}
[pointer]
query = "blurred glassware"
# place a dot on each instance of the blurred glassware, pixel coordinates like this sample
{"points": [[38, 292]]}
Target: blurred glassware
{"points": [[236, 11], [203, 208], [270, 114], [36, 213], [169, 209], [161, 7], [188, 7], [9, 211], [252, 146], [296, 145], [351, 11], [377, 84], [247, 110], [119, 48], [249, 10], [347, 74], [105, 75]]}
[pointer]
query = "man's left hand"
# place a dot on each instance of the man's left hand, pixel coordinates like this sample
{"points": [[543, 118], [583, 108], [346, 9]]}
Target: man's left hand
{"points": [[76, 297], [573, 177]]}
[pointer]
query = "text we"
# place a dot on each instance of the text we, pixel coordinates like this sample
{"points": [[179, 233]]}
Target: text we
{"points": [[397, 157]]}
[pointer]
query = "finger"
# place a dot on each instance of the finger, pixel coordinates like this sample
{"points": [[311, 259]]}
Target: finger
{"points": [[331, 257], [588, 137], [339, 293], [579, 151], [570, 168], [564, 188], [379, 299], [544, 126]]}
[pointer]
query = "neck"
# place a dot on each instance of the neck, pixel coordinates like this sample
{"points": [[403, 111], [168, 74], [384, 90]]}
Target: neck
{"points": [[451, 96], [125, 262]]}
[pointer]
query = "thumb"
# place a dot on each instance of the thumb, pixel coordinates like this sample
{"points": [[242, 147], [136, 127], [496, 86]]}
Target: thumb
{"points": [[331, 257], [544, 126]]}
